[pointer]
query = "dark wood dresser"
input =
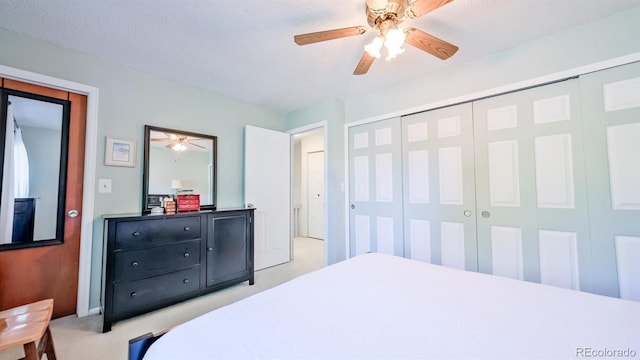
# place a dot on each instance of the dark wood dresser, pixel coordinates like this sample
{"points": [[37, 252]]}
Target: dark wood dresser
{"points": [[152, 261]]}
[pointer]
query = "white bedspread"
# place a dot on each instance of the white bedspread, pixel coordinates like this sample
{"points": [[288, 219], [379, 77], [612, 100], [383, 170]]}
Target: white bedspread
{"points": [[380, 306]]}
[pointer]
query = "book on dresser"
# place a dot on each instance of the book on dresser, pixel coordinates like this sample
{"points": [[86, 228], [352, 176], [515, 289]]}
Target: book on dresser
{"points": [[152, 261]]}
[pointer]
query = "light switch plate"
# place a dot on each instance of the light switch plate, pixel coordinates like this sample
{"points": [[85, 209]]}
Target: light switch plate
{"points": [[104, 186]]}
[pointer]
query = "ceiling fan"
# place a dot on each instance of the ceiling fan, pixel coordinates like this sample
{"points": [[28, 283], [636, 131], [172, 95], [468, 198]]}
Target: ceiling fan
{"points": [[385, 16], [178, 142]]}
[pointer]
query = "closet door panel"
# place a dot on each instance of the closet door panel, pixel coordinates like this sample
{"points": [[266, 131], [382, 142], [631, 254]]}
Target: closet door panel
{"points": [[611, 103], [530, 185], [439, 197], [375, 188]]}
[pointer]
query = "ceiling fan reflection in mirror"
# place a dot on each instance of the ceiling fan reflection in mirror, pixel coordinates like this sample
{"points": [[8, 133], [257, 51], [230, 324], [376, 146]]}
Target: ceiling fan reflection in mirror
{"points": [[385, 16], [177, 142]]}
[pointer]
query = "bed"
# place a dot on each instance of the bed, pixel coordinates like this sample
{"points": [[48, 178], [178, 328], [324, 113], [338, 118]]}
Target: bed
{"points": [[382, 306]]}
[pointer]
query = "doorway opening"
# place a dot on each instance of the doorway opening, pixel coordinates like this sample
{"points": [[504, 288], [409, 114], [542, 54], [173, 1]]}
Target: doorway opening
{"points": [[308, 195]]}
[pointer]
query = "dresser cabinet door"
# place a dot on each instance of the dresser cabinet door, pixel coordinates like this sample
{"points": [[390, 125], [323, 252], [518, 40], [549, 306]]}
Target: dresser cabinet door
{"points": [[143, 263], [228, 248]]}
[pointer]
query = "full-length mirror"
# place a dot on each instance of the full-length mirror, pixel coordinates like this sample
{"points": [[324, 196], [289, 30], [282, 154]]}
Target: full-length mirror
{"points": [[34, 138], [178, 162]]}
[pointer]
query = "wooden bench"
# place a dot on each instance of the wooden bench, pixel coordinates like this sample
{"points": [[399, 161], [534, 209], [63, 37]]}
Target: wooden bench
{"points": [[25, 325]]}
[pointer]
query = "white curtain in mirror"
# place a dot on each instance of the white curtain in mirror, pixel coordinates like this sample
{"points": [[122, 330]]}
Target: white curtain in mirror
{"points": [[20, 166], [6, 208]]}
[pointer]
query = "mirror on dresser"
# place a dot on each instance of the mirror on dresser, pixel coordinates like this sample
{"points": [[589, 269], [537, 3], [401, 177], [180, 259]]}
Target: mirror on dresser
{"points": [[34, 133], [178, 162]]}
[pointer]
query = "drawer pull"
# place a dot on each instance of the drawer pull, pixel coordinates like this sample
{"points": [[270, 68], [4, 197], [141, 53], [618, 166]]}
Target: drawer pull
{"points": [[133, 294], [135, 263], [209, 249], [186, 254], [186, 281], [136, 233], [186, 228]]}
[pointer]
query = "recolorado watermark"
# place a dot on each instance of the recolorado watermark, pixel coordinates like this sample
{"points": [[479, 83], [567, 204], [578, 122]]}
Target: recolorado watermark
{"points": [[587, 352]]}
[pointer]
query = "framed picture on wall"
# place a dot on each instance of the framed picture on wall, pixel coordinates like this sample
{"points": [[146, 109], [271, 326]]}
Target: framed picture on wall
{"points": [[120, 152]]}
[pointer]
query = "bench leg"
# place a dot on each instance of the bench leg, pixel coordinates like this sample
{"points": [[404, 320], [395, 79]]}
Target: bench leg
{"points": [[30, 351], [48, 345], [45, 346]]}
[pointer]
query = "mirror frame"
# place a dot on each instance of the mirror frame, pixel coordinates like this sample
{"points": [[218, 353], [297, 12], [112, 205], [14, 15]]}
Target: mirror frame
{"points": [[145, 173], [62, 171]]}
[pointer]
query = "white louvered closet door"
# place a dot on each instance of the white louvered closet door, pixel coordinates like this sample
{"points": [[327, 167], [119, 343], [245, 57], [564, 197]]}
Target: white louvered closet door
{"points": [[530, 184], [611, 119], [375, 188], [439, 187]]}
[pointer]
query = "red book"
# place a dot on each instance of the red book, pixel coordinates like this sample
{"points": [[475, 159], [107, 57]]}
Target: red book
{"points": [[188, 202]]}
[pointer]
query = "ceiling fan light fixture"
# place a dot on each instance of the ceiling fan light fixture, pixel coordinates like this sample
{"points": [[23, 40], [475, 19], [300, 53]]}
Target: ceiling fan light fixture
{"points": [[179, 147], [393, 41], [373, 49]]}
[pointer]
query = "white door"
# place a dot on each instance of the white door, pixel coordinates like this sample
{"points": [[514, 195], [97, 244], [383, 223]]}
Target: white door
{"points": [[375, 188], [532, 210], [611, 100], [439, 187], [315, 194], [267, 188]]}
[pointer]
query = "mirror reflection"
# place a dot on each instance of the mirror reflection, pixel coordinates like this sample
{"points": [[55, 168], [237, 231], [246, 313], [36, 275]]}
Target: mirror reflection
{"points": [[33, 144], [178, 162]]}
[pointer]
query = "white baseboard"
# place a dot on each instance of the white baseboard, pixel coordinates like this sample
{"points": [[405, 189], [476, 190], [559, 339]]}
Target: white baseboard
{"points": [[95, 311]]}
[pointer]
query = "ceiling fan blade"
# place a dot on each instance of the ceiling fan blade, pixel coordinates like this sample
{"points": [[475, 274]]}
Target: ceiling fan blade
{"points": [[196, 145], [171, 136], [429, 43], [310, 38], [421, 7], [364, 64], [160, 139]]}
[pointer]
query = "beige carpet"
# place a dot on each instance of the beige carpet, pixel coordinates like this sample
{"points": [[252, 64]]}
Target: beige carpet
{"points": [[81, 339]]}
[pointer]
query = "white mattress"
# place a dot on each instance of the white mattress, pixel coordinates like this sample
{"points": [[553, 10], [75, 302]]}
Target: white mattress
{"points": [[381, 306]]}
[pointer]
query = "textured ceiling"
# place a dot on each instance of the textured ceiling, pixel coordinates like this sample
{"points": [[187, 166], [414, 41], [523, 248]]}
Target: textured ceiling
{"points": [[244, 49]]}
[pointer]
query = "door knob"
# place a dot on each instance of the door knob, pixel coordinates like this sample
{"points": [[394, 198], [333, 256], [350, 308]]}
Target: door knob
{"points": [[467, 213], [486, 214], [353, 206], [73, 213]]}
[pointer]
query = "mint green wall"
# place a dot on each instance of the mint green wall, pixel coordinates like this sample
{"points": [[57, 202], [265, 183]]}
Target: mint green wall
{"points": [[129, 99]]}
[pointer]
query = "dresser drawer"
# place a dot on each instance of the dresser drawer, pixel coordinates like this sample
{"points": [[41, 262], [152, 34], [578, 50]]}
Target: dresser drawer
{"points": [[141, 294], [150, 231], [143, 263]]}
